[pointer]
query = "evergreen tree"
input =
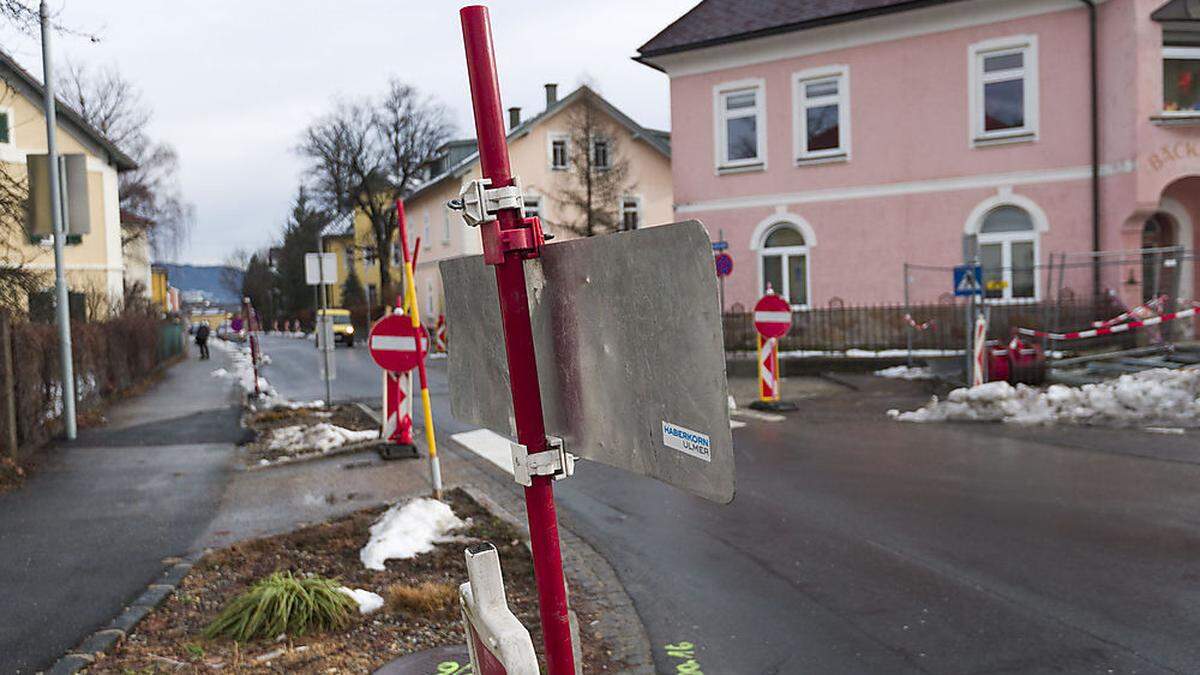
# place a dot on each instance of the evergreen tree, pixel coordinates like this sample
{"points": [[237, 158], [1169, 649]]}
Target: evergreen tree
{"points": [[299, 237]]}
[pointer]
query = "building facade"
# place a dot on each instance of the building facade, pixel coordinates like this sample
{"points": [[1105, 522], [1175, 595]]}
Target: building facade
{"points": [[540, 153], [95, 261], [834, 142]]}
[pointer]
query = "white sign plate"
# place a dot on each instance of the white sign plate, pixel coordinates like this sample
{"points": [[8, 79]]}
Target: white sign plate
{"points": [[313, 268]]}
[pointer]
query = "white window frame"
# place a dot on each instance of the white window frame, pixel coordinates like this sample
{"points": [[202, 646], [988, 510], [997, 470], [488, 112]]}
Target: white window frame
{"points": [[566, 141], [1177, 53], [801, 103], [446, 225], [1028, 46], [426, 239], [720, 146], [12, 127], [1006, 240], [637, 200], [785, 252], [607, 153], [429, 298], [534, 201]]}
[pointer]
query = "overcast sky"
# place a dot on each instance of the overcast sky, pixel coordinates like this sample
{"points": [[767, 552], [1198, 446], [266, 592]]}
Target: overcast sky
{"points": [[232, 83]]}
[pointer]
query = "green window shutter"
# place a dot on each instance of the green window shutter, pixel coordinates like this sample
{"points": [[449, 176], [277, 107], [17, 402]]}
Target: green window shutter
{"points": [[5, 133]]}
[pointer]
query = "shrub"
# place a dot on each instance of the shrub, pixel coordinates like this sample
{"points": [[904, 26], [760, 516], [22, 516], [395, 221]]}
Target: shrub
{"points": [[284, 604]]}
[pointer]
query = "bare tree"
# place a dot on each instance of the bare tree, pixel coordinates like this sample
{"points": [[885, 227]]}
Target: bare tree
{"points": [[597, 175], [17, 280], [151, 193], [366, 154]]}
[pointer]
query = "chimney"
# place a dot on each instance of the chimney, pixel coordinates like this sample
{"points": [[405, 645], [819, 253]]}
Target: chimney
{"points": [[514, 118], [551, 94]]}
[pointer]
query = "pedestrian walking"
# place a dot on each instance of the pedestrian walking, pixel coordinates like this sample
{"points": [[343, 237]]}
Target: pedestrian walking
{"points": [[202, 340]]}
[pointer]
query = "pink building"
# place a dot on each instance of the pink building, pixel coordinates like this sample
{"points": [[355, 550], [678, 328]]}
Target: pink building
{"points": [[834, 141]]}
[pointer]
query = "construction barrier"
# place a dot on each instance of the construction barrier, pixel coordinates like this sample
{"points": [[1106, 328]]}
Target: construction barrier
{"points": [[1116, 328], [920, 326]]}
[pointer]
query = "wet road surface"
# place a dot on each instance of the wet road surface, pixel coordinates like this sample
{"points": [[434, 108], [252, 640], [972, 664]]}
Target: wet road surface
{"points": [[858, 545]]}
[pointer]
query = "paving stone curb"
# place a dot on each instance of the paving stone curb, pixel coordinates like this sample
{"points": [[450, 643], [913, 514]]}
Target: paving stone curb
{"points": [[104, 639]]}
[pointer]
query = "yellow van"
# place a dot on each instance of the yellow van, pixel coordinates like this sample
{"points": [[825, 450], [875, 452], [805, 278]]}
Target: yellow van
{"points": [[343, 330]]}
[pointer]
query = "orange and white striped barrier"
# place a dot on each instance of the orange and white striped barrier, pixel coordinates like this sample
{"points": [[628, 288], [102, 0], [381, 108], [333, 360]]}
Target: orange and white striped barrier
{"points": [[768, 369], [919, 326]]}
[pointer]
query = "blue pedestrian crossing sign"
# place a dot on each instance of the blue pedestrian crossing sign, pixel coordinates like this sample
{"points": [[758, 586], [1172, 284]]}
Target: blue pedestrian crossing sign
{"points": [[968, 280]]}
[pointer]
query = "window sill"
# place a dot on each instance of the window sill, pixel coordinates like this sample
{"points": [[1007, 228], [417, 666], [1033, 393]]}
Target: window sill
{"points": [[741, 168], [1006, 139], [823, 159], [1176, 119], [1011, 301]]}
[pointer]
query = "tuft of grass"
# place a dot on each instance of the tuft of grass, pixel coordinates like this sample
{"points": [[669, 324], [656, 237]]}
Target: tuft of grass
{"points": [[425, 599], [284, 604]]}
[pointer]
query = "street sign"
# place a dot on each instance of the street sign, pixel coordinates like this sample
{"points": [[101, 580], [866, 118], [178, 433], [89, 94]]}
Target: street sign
{"points": [[667, 418], [720, 245], [314, 266], [73, 182], [393, 343], [772, 316], [967, 280], [724, 263]]}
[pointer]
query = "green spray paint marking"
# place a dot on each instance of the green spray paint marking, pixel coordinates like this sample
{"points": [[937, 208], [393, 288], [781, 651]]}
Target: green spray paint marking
{"points": [[686, 653]]}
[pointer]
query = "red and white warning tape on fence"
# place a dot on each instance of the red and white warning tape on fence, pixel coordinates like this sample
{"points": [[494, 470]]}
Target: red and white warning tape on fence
{"points": [[919, 326], [1139, 312], [1118, 328]]}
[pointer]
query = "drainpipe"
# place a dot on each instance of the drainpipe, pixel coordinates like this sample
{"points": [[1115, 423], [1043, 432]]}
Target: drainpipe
{"points": [[1095, 121]]}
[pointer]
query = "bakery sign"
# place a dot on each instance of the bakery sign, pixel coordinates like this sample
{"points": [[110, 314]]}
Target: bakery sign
{"points": [[1172, 153]]}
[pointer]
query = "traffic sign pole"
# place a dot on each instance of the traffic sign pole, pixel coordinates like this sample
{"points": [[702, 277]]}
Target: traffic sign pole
{"points": [[772, 320], [518, 341]]}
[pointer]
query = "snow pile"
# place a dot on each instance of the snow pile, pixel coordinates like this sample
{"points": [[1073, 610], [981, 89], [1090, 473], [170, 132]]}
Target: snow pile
{"points": [[1150, 397], [368, 602], [906, 373], [321, 437], [409, 530], [241, 370]]}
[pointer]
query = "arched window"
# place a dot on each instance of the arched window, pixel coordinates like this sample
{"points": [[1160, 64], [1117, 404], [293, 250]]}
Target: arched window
{"points": [[783, 263], [1008, 252]]}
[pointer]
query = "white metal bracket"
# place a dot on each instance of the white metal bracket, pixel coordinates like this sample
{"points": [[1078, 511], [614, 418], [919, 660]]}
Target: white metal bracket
{"points": [[554, 461], [479, 203]]}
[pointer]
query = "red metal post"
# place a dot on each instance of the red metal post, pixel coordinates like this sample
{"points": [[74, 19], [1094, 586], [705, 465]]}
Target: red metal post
{"points": [[518, 344]]}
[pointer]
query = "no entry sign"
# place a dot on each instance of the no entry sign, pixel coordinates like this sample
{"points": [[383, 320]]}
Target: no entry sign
{"points": [[393, 343], [772, 316]]}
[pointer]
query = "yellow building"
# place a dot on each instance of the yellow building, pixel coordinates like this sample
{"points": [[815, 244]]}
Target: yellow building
{"points": [[95, 264], [160, 289], [539, 152]]}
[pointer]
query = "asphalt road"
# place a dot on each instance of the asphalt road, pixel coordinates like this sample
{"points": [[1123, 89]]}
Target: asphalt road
{"points": [[861, 545]]}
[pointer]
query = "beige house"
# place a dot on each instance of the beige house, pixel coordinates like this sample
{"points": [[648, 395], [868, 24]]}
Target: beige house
{"points": [[539, 150], [95, 262]]}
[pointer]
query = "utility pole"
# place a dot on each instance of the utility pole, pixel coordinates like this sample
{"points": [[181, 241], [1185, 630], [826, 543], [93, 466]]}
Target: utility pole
{"points": [[62, 300]]}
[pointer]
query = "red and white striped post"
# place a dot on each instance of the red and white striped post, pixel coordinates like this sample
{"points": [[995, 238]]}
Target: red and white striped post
{"points": [[772, 320], [251, 322], [507, 242], [979, 372], [440, 334]]}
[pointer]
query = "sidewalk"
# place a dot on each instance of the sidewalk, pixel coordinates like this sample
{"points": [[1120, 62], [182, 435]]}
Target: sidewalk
{"points": [[92, 526]]}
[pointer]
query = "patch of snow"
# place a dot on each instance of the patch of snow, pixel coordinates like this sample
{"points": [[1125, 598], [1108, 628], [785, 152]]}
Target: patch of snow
{"points": [[408, 530], [1163, 396], [321, 437], [906, 373], [368, 602], [866, 354]]}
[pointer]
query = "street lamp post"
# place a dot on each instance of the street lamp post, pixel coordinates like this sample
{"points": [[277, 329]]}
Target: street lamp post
{"points": [[62, 299]]}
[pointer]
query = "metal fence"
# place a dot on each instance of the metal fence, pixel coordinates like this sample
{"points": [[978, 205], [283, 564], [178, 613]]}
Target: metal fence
{"points": [[884, 327]]}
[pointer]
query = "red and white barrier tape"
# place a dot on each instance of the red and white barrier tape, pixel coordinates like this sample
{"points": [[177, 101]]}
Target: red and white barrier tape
{"points": [[920, 326], [1118, 328], [1139, 312]]}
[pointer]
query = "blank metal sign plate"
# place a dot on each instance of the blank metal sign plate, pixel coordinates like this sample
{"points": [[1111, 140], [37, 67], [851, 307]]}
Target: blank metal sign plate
{"points": [[630, 353]]}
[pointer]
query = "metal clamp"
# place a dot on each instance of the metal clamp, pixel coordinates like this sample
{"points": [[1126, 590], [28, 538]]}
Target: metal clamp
{"points": [[479, 203], [554, 461]]}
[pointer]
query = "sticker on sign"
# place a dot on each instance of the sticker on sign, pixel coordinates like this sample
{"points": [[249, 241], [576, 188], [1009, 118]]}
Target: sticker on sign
{"points": [[689, 442]]}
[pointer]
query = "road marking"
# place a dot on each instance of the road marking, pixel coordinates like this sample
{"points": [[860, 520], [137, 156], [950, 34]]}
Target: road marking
{"points": [[757, 415], [489, 445], [736, 424]]}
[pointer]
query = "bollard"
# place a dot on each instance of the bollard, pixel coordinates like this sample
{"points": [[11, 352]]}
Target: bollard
{"points": [[496, 640]]}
